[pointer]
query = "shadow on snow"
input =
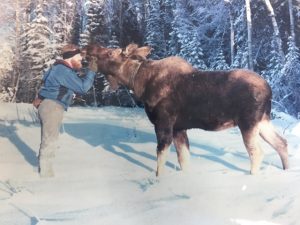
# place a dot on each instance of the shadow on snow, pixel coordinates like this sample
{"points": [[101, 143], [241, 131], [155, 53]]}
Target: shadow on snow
{"points": [[112, 136], [8, 130]]}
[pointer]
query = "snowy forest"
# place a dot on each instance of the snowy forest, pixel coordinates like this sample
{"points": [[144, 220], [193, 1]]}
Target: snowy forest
{"points": [[261, 35]]}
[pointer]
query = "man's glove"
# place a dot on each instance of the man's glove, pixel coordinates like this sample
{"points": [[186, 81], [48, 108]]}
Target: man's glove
{"points": [[93, 65]]}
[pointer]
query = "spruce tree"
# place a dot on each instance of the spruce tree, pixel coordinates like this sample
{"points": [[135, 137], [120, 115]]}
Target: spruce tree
{"points": [[37, 54], [6, 58], [189, 43], [93, 23], [273, 71], [240, 58], [191, 50], [154, 31], [218, 61], [291, 72], [167, 8]]}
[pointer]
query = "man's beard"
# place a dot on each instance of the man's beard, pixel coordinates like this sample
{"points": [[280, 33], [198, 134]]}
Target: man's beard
{"points": [[76, 65]]}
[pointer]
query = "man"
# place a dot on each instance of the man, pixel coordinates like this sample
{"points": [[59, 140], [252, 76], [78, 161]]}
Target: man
{"points": [[60, 83]]}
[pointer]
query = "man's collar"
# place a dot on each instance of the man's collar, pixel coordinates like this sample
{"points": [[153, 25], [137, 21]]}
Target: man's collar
{"points": [[63, 62]]}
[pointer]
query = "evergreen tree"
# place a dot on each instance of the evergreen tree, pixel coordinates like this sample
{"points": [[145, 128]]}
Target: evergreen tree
{"points": [[274, 75], [273, 71], [291, 72], [240, 58], [76, 26], [189, 43], [154, 30], [37, 53], [191, 50], [93, 24], [37, 46], [173, 42], [91, 29], [209, 18], [129, 25], [167, 8], [240, 26], [218, 61], [101, 84], [6, 58], [113, 42], [62, 21]]}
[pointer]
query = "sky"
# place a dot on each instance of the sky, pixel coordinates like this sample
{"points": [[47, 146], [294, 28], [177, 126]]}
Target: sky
{"points": [[105, 174]]}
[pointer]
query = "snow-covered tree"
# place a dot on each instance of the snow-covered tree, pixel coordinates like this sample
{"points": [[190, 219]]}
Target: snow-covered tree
{"points": [[61, 17], [209, 18], [93, 22], [129, 25], [6, 59], [37, 46], [276, 36], [191, 50], [113, 42], [273, 72], [167, 15], [188, 40], [154, 30], [218, 61], [291, 72], [240, 59], [37, 53]]}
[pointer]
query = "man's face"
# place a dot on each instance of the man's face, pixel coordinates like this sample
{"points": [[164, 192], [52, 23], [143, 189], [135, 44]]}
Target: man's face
{"points": [[76, 61]]}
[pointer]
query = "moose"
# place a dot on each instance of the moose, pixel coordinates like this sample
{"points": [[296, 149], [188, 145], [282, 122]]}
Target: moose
{"points": [[177, 97]]}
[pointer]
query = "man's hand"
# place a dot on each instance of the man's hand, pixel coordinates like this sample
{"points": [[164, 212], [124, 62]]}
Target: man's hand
{"points": [[36, 102], [93, 64]]}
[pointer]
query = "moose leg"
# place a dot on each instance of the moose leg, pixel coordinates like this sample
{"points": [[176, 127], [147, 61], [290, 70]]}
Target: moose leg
{"points": [[181, 143], [251, 141], [164, 140], [268, 133]]}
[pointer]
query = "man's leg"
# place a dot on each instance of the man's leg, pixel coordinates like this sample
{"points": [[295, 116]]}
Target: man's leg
{"points": [[51, 115]]}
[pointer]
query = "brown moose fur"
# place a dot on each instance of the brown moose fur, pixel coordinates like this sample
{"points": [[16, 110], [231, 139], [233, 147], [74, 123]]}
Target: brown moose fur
{"points": [[178, 97]]}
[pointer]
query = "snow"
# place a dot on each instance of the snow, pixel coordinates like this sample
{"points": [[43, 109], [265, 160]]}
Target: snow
{"points": [[105, 174]]}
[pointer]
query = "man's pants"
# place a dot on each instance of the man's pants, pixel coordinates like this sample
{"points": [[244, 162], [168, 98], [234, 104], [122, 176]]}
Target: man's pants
{"points": [[51, 115]]}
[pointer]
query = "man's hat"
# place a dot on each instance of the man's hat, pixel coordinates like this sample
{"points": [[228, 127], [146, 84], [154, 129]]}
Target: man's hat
{"points": [[68, 51]]}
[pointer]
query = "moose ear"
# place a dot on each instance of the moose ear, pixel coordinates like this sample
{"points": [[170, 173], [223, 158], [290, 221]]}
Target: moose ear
{"points": [[130, 49], [116, 52], [143, 51]]}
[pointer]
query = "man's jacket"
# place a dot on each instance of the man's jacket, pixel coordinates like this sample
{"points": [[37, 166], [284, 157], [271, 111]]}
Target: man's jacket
{"points": [[61, 82]]}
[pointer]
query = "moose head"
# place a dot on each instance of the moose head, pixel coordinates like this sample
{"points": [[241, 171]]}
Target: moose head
{"points": [[111, 60]]}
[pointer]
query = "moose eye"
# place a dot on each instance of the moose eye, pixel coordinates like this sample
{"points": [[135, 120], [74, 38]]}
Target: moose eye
{"points": [[110, 53]]}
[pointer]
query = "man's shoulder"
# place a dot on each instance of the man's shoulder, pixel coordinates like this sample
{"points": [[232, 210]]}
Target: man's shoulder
{"points": [[62, 64], [60, 67]]}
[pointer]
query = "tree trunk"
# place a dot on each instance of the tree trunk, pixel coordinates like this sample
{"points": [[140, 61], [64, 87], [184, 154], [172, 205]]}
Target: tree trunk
{"points": [[232, 34], [249, 29], [121, 23], [292, 21], [276, 29]]}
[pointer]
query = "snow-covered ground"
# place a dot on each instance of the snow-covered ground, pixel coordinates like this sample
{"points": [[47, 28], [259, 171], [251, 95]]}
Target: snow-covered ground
{"points": [[105, 174]]}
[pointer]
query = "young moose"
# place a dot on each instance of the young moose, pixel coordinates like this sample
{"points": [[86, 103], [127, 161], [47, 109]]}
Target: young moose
{"points": [[178, 97]]}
